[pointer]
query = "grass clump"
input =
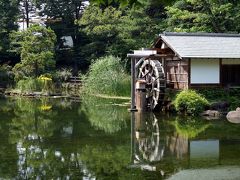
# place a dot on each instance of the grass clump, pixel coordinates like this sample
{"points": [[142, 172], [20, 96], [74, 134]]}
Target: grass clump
{"points": [[63, 75], [29, 85], [190, 102], [40, 84], [107, 76]]}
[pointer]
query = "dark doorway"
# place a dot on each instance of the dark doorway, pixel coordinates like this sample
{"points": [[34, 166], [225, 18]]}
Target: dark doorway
{"points": [[231, 75]]}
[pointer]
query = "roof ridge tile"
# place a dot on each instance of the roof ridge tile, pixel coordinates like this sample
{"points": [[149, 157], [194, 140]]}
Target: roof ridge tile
{"points": [[199, 34]]}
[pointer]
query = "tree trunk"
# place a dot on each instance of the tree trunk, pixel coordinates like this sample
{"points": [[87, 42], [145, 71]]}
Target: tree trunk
{"points": [[26, 5], [36, 69]]}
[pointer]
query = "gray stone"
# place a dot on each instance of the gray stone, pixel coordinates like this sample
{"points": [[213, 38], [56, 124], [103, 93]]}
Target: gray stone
{"points": [[211, 113], [233, 116], [37, 93], [220, 106], [238, 109]]}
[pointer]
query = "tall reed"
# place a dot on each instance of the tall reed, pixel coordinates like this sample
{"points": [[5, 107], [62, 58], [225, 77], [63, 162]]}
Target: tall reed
{"points": [[107, 76]]}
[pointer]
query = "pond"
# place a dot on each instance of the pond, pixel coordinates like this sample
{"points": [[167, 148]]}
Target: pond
{"points": [[99, 139]]}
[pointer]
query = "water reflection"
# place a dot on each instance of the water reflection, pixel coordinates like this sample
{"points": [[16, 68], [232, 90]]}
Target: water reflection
{"points": [[53, 139], [104, 114], [166, 145], [147, 137], [91, 139]]}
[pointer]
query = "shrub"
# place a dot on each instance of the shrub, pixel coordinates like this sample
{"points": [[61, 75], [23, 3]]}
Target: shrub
{"points": [[190, 102], [63, 75], [230, 96], [107, 76], [42, 83], [29, 85], [36, 49], [6, 75]]}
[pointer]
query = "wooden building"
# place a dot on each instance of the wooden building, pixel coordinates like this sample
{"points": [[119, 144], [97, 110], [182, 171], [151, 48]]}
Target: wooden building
{"points": [[190, 60], [197, 59], [201, 59]]}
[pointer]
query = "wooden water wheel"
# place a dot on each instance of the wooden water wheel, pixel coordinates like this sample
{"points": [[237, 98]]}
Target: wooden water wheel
{"points": [[153, 72]]}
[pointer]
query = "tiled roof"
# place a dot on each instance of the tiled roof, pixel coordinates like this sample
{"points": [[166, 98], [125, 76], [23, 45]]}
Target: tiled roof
{"points": [[203, 45]]}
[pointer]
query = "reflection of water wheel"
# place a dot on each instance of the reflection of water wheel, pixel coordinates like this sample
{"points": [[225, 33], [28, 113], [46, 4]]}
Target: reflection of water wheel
{"points": [[153, 72], [149, 147]]}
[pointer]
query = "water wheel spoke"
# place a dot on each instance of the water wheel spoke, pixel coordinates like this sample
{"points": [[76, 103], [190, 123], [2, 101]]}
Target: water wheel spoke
{"points": [[152, 71]]}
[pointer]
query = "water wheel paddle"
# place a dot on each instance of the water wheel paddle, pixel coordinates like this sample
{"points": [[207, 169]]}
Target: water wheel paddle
{"points": [[153, 72]]}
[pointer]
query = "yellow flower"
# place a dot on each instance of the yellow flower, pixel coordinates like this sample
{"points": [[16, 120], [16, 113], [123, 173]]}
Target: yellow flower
{"points": [[44, 78], [45, 108]]}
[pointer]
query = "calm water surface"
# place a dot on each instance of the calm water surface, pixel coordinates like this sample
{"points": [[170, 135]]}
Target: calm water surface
{"points": [[100, 139]]}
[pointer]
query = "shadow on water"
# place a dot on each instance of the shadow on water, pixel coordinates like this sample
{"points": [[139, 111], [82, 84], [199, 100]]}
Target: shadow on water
{"points": [[99, 139]]}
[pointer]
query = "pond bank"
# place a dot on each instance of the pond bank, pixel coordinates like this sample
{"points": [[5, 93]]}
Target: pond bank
{"points": [[219, 100], [39, 95], [56, 95]]}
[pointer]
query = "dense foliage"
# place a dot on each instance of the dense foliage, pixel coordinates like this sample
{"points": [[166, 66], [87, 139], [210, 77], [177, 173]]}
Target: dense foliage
{"points": [[115, 31], [6, 75], [8, 18], [229, 96], [107, 76], [31, 85], [36, 48], [203, 16], [190, 102]]}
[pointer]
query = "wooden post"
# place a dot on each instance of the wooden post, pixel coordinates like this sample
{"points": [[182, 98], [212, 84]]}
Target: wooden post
{"points": [[133, 85], [141, 103], [132, 136]]}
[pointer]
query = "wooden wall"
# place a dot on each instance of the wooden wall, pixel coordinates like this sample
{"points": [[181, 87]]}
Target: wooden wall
{"points": [[177, 73]]}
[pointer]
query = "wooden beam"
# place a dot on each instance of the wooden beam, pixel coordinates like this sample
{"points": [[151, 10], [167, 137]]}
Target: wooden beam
{"points": [[220, 72], [204, 85], [164, 51], [133, 85], [189, 73], [152, 56]]}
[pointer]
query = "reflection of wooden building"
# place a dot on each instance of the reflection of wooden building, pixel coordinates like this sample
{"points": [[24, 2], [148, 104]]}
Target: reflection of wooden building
{"points": [[156, 147]]}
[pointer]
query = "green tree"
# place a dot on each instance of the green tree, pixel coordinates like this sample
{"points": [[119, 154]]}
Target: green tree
{"points": [[8, 18], [130, 2], [27, 6], [36, 48], [116, 31], [203, 15], [62, 15], [63, 9]]}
